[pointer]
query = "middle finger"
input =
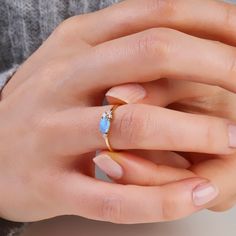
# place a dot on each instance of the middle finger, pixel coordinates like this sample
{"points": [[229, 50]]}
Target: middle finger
{"points": [[154, 54]]}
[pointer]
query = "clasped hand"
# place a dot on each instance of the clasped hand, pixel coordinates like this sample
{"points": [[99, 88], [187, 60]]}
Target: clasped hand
{"points": [[50, 112]]}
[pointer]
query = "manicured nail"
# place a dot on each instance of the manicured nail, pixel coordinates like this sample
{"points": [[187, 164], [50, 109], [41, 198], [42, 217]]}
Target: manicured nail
{"points": [[204, 193], [109, 166], [232, 136], [129, 93]]}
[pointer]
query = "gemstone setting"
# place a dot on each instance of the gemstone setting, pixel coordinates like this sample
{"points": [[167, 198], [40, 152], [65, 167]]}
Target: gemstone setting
{"points": [[105, 124]]}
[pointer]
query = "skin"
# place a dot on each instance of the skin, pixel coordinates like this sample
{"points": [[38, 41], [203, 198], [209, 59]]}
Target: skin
{"points": [[148, 165], [48, 140]]}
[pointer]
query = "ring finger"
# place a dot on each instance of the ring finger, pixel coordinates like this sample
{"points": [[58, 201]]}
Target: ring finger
{"points": [[139, 127]]}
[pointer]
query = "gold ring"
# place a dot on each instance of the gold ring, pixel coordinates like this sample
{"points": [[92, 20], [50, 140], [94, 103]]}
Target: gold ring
{"points": [[105, 125]]}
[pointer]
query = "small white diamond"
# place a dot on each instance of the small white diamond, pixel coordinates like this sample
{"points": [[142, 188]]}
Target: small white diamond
{"points": [[109, 114]]}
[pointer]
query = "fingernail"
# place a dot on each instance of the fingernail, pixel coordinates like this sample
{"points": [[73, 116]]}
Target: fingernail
{"points": [[204, 193], [109, 166], [232, 136], [129, 93]]}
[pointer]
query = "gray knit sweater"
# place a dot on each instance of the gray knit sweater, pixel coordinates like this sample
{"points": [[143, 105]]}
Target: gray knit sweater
{"points": [[24, 25]]}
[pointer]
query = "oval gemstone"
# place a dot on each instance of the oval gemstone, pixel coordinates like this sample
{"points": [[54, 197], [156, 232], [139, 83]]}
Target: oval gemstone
{"points": [[104, 125]]}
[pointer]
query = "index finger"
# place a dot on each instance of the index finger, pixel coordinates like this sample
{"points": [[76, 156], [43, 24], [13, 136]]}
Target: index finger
{"points": [[132, 16], [150, 55]]}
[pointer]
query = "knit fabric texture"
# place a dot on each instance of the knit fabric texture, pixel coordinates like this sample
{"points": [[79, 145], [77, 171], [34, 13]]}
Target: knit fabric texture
{"points": [[8, 228], [25, 24], [5, 76]]}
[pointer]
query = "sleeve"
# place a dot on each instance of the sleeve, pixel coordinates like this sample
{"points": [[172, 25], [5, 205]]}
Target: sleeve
{"points": [[5, 76], [8, 228]]}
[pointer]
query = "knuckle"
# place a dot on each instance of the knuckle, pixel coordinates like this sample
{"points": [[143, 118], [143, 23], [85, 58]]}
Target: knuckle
{"points": [[154, 43], [209, 140], [46, 124], [170, 210], [232, 65], [208, 134], [63, 29], [132, 125], [128, 124], [51, 190], [111, 208], [47, 129], [52, 70], [229, 20], [164, 8], [166, 214], [68, 27], [51, 75]]}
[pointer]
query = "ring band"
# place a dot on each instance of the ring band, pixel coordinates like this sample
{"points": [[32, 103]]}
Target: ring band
{"points": [[105, 125]]}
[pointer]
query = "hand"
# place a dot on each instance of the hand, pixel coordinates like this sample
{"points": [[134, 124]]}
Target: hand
{"points": [[184, 96], [50, 113], [150, 166]]}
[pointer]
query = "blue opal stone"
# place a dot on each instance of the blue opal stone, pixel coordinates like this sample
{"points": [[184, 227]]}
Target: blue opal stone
{"points": [[105, 124]]}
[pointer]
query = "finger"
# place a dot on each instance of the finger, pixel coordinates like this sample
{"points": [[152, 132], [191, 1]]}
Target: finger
{"points": [[136, 15], [222, 174], [171, 159], [154, 54], [133, 204], [183, 96], [162, 92], [127, 168], [138, 127], [139, 171], [155, 93]]}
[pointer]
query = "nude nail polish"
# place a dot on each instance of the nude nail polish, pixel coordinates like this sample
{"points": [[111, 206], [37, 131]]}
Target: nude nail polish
{"points": [[109, 166], [204, 193], [232, 136], [129, 93]]}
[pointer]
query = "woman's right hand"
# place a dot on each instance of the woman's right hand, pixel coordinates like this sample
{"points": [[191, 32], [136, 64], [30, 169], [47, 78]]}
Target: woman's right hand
{"points": [[50, 116]]}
